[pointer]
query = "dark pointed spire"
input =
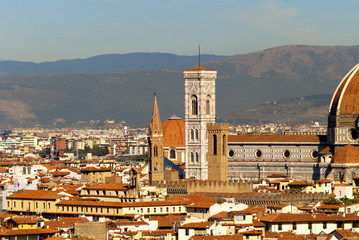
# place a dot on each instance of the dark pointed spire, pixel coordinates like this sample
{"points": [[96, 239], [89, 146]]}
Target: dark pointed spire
{"points": [[155, 126]]}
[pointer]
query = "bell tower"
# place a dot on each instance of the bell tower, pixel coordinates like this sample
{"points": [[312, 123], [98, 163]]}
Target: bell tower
{"points": [[200, 110], [155, 146], [217, 152]]}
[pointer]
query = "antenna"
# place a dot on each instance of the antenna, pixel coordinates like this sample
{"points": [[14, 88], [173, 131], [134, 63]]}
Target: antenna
{"points": [[199, 55]]}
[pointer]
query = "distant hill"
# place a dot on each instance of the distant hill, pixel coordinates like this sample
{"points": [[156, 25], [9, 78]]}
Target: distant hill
{"points": [[301, 110], [244, 81], [104, 64]]}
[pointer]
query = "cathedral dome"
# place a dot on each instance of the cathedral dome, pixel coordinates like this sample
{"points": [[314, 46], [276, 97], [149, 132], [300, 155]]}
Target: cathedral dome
{"points": [[346, 154], [173, 132], [345, 100]]}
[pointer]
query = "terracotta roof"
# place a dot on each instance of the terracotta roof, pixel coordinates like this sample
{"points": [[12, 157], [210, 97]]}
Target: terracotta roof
{"points": [[38, 231], [346, 95], [348, 234], [201, 225], [346, 154], [130, 223], [328, 206], [326, 150], [173, 133], [303, 217], [324, 181], [34, 194], [199, 68], [158, 233], [218, 237], [276, 138], [169, 220], [285, 236], [95, 169], [300, 183], [25, 220]]}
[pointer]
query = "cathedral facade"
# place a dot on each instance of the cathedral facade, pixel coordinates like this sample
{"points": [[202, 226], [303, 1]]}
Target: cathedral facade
{"points": [[208, 149]]}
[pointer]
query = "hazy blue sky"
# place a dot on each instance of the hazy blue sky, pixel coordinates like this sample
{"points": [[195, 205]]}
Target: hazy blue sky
{"points": [[48, 30]]}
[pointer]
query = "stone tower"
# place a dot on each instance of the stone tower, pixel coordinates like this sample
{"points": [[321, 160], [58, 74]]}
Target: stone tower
{"points": [[155, 146], [200, 110], [217, 152]]}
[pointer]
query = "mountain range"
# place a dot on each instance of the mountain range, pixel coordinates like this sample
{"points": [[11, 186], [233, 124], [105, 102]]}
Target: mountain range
{"points": [[123, 90]]}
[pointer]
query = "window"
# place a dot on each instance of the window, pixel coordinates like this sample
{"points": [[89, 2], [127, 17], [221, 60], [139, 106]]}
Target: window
{"points": [[14, 204], [108, 210], [155, 151], [44, 204], [339, 224], [208, 110], [148, 210], [192, 157], [224, 143], [197, 134], [22, 205], [197, 158], [167, 209], [295, 226], [179, 208], [174, 209], [325, 225], [187, 231], [279, 226], [192, 134], [36, 204], [173, 153], [214, 144], [309, 226], [154, 210], [194, 105]]}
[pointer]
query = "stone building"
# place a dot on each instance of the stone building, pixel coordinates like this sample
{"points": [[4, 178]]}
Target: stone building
{"points": [[155, 146], [200, 110]]}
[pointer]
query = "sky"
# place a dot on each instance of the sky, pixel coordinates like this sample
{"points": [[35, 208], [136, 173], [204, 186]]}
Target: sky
{"points": [[50, 30]]}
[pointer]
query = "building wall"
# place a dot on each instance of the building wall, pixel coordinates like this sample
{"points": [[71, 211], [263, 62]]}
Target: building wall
{"points": [[95, 230]]}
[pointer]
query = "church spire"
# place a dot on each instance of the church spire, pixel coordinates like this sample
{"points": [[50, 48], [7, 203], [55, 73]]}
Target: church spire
{"points": [[155, 126]]}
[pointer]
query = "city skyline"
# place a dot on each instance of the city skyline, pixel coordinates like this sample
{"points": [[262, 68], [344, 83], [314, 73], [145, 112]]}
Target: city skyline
{"points": [[53, 30]]}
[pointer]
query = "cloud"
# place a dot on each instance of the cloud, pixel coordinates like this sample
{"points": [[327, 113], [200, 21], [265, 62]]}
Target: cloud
{"points": [[273, 17]]}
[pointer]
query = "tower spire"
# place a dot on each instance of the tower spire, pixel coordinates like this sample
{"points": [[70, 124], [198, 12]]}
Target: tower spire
{"points": [[199, 55], [155, 125]]}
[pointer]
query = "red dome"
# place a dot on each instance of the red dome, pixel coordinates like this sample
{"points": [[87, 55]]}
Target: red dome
{"points": [[173, 132], [345, 100]]}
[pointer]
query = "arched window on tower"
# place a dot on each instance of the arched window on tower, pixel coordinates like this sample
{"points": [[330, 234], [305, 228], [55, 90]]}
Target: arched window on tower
{"points": [[192, 134], [214, 144], [208, 106], [223, 145], [155, 151], [197, 134], [197, 158], [173, 153], [194, 105], [192, 157]]}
